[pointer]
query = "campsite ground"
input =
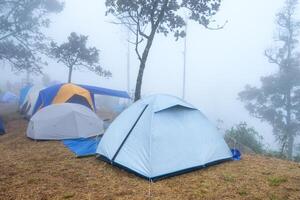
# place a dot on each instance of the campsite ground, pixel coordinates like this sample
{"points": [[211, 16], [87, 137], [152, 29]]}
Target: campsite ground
{"points": [[47, 170]]}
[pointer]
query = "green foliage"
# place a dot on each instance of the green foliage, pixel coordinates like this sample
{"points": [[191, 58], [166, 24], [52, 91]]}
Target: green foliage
{"points": [[297, 158], [75, 54], [242, 134], [276, 181], [275, 154], [68, 196], [280, 155], [273, 197], [277, 101], [242, 192], [165, 15], [21, 39]]}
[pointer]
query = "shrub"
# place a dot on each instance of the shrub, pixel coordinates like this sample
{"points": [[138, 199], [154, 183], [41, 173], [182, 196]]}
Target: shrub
{"points": [[247, 136]]}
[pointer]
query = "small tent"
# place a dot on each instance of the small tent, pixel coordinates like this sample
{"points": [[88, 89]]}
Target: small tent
{"points": [[2, 129], [162, 136], [72, 93], [64, 121], [30, 101], [9, 97], [23, 93]]}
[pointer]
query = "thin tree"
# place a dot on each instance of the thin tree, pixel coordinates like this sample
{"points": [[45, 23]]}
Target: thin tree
{"points": [[75, 54], [277, 101], [145, 18], [21, 38]]}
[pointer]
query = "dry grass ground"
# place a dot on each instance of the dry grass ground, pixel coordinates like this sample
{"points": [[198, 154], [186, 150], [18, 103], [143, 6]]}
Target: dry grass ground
{"points": [[47, 170]]}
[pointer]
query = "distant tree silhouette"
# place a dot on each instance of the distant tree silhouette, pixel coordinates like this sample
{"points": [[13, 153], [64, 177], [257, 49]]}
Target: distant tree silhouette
{"points": [[277, 101], [21, 38], [75, 54]]}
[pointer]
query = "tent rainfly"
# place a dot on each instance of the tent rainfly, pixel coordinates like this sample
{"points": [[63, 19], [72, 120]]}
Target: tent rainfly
{"points": [[72, 93]]}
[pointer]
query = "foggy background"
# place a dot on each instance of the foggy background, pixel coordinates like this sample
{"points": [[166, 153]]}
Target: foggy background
{"points": [[219, 63]]}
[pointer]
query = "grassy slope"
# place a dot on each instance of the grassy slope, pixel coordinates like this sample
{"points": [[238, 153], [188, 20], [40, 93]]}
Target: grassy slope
{"points": [[47, 170]]}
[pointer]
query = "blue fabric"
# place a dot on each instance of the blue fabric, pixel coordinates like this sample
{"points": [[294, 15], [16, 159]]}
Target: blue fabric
{"points": [[82, 147], [9, 97], [106, 91], [236, 154], [23, 92], [2, 129], [47, 95]]}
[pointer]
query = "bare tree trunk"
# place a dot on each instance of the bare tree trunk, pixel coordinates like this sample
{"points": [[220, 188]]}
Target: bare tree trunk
{"points": [[290, 146], [70, 74], [290, 136], [155, 25], [289, 133], [138, 86], [139, 80]]}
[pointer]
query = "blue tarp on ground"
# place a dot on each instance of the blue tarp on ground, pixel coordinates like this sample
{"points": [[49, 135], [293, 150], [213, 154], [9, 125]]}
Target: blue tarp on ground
{"points": [[83, 147], [2, 129]]}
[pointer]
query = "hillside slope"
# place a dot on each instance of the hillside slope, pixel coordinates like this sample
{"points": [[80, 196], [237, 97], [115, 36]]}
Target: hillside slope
{"points": [[47, 170]]}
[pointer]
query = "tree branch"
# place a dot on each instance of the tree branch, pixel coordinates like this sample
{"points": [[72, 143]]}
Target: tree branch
{"points": [[216, 28], [272, 59]]}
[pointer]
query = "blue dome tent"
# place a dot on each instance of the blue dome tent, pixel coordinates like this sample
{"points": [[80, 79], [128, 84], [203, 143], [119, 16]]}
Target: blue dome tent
{"points": [[162, 136]]}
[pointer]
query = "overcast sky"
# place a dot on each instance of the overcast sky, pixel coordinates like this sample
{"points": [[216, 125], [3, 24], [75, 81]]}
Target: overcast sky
{"points": [[219, 63]]}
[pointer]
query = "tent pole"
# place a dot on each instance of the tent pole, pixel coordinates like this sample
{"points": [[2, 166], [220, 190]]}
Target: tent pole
{"points": [[128, 62], [123, 142], [184, 59]]}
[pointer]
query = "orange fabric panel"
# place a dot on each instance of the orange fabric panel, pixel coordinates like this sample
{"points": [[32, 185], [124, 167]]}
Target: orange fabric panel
{"points": [[68, 90]]}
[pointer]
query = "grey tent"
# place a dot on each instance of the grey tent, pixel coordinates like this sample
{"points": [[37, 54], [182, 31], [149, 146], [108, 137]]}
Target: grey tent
{"points": [[64, 121]]}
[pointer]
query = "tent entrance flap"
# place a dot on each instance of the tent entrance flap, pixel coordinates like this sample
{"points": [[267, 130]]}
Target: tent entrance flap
{"points": [[79, 100]]}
